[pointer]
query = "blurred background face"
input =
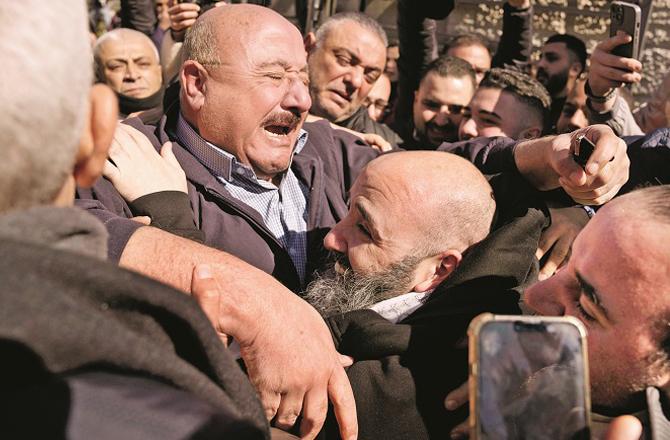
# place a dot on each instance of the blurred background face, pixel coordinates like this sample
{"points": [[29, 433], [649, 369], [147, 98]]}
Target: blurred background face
{"points": [[554, 67], [342, 70], [391, 69], [573, 117], [438, 106], [378, 99], [477, 56], [130, 65], [491, 112]]}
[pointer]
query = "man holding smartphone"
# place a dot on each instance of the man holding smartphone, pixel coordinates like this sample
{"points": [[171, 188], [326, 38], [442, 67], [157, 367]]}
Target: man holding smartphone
{"points": [[607, 74], [616, 283]]}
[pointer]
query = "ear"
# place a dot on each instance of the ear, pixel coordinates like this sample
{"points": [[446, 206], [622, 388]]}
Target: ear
{"points": [[530, 133], [437, 269], [575, 69], [193, 77], [310, 42], [96, 137]]}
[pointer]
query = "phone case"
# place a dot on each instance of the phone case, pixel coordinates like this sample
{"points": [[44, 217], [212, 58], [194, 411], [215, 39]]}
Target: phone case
{"points": [[626, 17], [478, 323]]}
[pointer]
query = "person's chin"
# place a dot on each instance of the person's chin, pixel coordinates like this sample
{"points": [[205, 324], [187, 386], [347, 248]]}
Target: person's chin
{"points": [[138, 93]]}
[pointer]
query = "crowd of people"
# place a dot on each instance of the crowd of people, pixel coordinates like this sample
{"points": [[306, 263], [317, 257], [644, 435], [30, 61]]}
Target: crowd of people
{"points": [[213, 224]]}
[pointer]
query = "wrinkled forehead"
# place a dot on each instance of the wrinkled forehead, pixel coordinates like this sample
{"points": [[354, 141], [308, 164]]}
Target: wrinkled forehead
{"points": [[128, 46], [260, 45], [359, 41]]}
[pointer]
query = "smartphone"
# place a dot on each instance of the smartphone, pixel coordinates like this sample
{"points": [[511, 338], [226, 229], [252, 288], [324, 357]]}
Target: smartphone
{"points": [[626, 17], [583, 151], [528, 378]]}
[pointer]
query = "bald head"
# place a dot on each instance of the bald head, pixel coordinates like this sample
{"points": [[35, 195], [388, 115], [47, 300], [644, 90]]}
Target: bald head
{"points": [[128, 62], [450, 201], [232, 30]]}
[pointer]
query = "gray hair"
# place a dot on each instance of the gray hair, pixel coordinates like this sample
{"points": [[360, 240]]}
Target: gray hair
{"points": [[201, 44], [364, 21], [116, 35], [44, 90]]}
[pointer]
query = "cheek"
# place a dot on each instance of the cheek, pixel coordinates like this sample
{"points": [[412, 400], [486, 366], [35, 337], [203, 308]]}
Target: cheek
{"points": [[427, 115]]}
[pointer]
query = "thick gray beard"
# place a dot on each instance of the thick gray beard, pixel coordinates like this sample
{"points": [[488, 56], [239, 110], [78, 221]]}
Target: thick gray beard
{"points": [[331, 292]]}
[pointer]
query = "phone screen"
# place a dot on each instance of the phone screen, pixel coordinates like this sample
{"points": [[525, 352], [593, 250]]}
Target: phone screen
{"points": [[531, 381]]}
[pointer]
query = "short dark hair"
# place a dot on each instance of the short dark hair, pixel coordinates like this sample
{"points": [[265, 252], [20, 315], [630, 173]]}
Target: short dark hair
{"points": [[466, 40], [526, 89], [445, 66], [575, 46]]}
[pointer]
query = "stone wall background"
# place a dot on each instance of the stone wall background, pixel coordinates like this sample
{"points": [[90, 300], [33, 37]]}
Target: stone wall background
{"points": [[588, 19]]}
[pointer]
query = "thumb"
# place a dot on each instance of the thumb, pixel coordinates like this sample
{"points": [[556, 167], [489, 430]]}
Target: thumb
{"points": [[205, 290]]}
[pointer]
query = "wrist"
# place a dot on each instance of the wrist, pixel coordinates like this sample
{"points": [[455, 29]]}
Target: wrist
{"points": [[598, 96]]}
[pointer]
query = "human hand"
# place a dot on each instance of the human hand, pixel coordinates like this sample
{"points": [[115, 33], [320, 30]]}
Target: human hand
{"points": [[520, 4], [137, 168], [624, 428], [182, 16], [606, 170], [375, 141], [557, 238], [454, 400], [609, 71], [288, 352]]}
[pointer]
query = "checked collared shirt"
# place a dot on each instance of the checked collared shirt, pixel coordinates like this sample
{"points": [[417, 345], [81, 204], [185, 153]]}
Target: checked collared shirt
{"points": [[283, 208]]}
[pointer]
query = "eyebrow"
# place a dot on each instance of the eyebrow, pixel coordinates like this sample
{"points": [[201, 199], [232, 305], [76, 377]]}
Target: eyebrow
{"points": [[357, 59], [363, 212], [279, 63], [486, 112]]}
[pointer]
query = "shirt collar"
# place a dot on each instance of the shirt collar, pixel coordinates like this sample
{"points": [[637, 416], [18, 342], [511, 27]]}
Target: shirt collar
{"points": [[218, 161]]}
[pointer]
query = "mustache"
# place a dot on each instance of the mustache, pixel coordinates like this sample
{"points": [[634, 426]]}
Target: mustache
{"points": [[287, 119], [448, 127]]}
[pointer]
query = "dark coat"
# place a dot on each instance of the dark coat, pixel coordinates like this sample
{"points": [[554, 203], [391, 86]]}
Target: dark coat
{"points": [[328, 165], [404, 371], [93, 351]]}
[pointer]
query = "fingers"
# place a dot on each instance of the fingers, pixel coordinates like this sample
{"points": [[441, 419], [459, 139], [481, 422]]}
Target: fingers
{"points": [[624, 428], [110, 171], [547, 240], [457, 398], [346, 361], [461, 431], [342, 397], [270, 402], [143, 219], [559, 253], [610, 43], [205, 290], [289, 409], [314, 414], [168, 155]]}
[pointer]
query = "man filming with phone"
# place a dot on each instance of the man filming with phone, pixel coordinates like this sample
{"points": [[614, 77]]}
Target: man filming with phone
{"points": [[616, 284]]}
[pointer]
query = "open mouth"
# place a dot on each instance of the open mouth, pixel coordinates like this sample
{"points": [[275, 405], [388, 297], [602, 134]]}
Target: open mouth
{"points": [[278, 129]]}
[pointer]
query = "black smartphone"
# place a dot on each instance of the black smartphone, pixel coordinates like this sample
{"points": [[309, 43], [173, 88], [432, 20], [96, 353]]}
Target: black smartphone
{"points": [[583, 150], [528, 378], [626, 17]]}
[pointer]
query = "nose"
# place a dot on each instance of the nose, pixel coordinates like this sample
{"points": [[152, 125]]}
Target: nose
{"points": [[132, 73], [579, 119], [467, 129], [353, 79], [548, 297], [297, 97], [334, 240]]}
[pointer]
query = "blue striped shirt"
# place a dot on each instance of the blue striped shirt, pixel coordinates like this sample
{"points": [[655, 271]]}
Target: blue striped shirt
{"points": [[283, 208]]}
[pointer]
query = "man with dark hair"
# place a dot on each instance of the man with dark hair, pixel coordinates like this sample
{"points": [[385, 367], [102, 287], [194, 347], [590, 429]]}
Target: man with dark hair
{"points": [[507, 103], [562, 60], [445, 89], [473, 49]]}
